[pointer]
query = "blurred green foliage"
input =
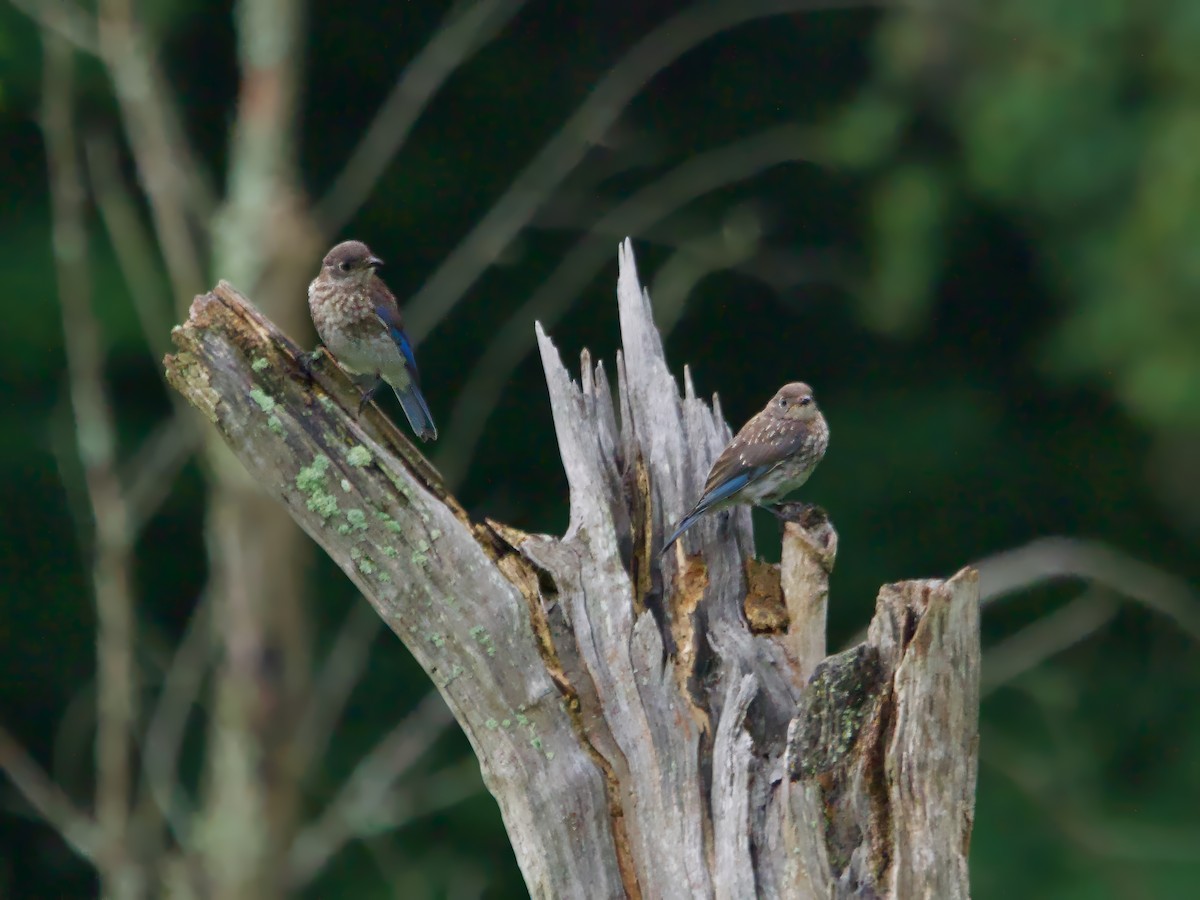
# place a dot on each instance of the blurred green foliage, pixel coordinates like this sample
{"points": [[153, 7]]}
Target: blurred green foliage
{"points": [[990, 271], [1081, 122]]}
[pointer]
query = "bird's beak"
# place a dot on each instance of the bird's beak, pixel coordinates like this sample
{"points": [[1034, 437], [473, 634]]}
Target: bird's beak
{"points": [[374, 262]]}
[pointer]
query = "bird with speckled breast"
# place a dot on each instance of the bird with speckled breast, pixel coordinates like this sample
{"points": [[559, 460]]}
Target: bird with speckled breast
{"points": [[773, 454], [359, 322]]}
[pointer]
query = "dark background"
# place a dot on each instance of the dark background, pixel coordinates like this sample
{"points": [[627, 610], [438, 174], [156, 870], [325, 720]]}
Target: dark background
{"points": [[985, 257]]}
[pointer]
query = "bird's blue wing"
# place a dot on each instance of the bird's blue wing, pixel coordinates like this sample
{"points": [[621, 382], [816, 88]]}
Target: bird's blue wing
{"points": [[391, 320], [730, 486], [718, 492]]}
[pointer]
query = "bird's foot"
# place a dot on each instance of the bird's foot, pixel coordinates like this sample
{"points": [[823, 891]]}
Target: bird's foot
{"points": [[368, 395], [774, 509], [306, 361], [812, 528], [806, 515]]}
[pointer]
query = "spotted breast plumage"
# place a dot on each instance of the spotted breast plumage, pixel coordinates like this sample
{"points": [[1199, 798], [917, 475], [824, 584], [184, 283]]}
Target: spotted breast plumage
{"points": [[773, 454], [359, 322]]}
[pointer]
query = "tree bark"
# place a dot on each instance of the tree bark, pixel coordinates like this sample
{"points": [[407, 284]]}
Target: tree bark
{"points": [[264, 238], [650, 727]]}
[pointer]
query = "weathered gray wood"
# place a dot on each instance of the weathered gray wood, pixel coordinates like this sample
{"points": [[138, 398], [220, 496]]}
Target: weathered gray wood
{"points": [[883, 752], [654, 728], [360, 491], [809, 551]]}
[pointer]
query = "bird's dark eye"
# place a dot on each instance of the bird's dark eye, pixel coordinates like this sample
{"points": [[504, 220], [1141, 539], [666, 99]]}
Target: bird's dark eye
{"points": [[805, 401], [344, 265], [783, 402]]}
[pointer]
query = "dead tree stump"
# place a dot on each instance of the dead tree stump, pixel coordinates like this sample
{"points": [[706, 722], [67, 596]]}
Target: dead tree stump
{"points": [[653, 728]]}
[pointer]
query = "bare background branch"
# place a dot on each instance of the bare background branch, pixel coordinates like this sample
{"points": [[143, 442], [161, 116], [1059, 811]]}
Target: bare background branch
{"points": [[360, 807], [469, 25], [1053, 558], [587, 126], [55, 808], [254, 607], [699, 175], [95, 432]]}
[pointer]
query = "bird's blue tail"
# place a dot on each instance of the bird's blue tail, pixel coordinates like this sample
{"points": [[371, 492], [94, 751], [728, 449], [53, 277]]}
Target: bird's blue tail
{"points": [[688, 521], [417, 411]]}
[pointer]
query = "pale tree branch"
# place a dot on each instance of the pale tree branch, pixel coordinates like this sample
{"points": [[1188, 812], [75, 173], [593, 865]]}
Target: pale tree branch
{"points": [[431, 793], [1056, 558], [1046, 787], [779, 268], [150, 473], [263, 148], [700, 175], [64, 19], [411, 801], [1046, 637], [76, 728], [263, 236], [132, 242], [466, 29], [51, 804], [577, 202], [177, 700], [437, 873], [344, 665], [734, 241], [360, 807], [96, 441], [1049, 559], [166, 165], [64, 445], [492, 233]]}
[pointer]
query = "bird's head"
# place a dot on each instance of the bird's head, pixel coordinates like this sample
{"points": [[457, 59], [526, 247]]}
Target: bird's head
{"points": [[794, 401], [350, 261]]}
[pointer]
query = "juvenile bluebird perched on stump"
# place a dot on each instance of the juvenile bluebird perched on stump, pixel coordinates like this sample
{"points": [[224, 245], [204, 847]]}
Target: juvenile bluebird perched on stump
{"points": [[359, 322], [770, 457]]}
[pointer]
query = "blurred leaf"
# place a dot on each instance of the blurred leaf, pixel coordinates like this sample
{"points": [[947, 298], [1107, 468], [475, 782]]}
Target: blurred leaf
{"points": [[908, 217], [865, 131]]}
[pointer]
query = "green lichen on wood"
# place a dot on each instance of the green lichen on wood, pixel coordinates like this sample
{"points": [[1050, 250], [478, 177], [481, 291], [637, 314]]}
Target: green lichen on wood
{"points": [[313, 482], [264, 400], [485, 641], [388, 522], [841, 722], [358, 456], [843, 690]]}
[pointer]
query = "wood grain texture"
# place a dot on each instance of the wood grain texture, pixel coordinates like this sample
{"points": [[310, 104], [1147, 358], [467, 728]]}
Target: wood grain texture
{"points": [[641, 739]]}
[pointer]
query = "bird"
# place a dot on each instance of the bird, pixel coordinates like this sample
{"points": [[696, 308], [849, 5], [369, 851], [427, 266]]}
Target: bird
{"points": [[359, 322], [773, 454]]}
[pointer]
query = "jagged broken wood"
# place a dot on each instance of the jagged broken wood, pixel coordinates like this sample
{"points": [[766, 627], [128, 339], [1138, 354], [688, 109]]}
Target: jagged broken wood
{"points": [[650, 728]]}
